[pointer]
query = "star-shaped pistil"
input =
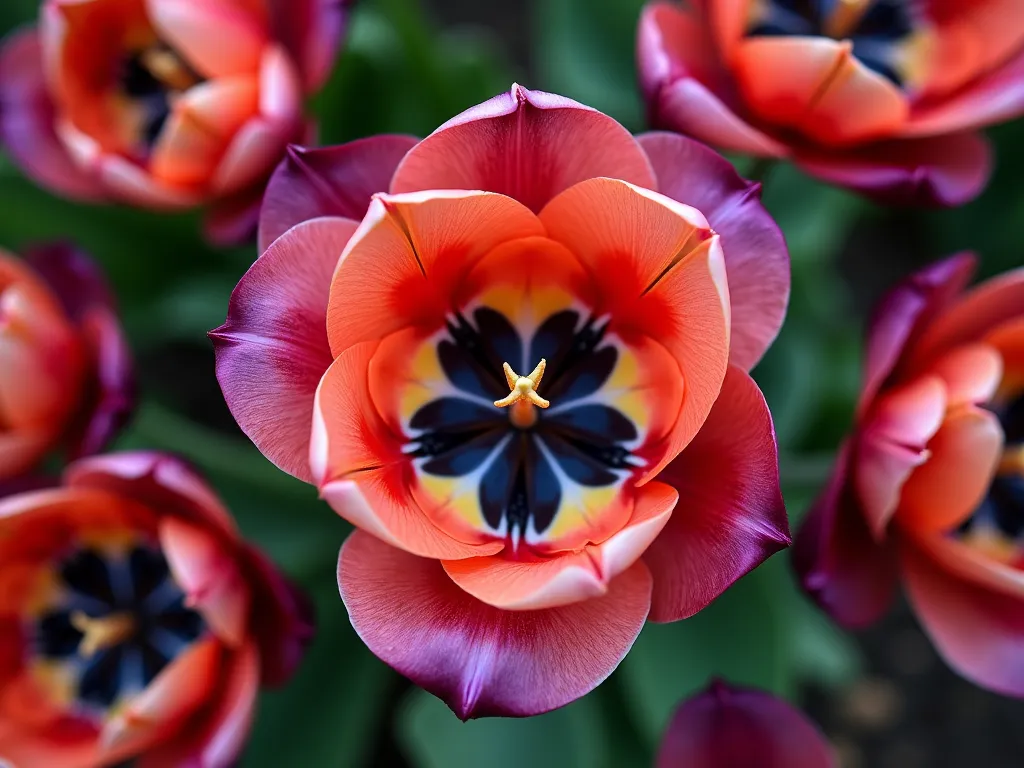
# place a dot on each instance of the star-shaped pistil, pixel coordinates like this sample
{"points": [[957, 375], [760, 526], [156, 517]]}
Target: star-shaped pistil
{"points": [[524, 388]]}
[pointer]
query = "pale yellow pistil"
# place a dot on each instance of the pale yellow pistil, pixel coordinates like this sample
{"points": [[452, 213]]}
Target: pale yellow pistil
{"points": [[1012, 462], [101, 633], [523, 396], [845, 18]]}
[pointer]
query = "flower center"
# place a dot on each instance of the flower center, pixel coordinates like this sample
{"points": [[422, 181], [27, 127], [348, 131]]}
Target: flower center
{"points": [[878, 29], [115, 618], [523, 397], [151, 78], [997, 527]]}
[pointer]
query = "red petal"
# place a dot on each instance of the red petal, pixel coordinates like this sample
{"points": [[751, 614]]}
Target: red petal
{"points": [[272, 350], [945, 170], [840, 565], [730, 517], [529, 145], [726, 727], [329, 181], [482, 660], [219, 38], [756, 258]]}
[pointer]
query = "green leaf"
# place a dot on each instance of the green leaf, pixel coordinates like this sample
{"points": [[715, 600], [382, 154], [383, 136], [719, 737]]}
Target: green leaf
{"points": [[571, 737]]}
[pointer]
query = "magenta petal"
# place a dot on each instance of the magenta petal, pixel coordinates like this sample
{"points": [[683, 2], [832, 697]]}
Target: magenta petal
{"points": [[312, 31], [840, 565], [904, 311], [272, 350], [730, 517], [756, 257], [234, 220], [945, 171], [27, 121], [328, 181], [479, 659], [165, 483], [529, 145], [726, 727], [73, 276], [283, 622]]}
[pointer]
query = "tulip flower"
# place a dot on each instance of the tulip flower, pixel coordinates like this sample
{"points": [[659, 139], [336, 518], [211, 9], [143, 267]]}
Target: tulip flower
{"points": [[928, 488], [165, 104], [886, 97], [727, 727], [524, 382], [65, 372], [134, 621]]}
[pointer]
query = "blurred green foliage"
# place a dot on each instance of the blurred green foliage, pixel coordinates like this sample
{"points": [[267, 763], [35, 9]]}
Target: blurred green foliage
{"points": [[400, 73]]}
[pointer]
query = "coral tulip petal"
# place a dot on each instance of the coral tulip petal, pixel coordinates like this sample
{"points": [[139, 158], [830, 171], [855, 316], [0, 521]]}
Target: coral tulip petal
{"points": [[756, 258], [273, 350], [529, 145], [978, 312], [533, 583], [971, 374], [993, 98], [351, 442], [479, 659], [904, 311], [312, 31], [211, 578], [725, 726], [840, 564], [947, 488], [217, 37], [250, 156], [660, 272], [131, 184], [947, 170], [816, 85], [977, 627], [329, 181], [730, 516], [28, 117], [410, 251]]}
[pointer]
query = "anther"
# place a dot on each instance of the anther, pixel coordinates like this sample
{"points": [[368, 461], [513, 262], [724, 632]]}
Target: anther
{"points": [[845, 18], [101, 633]]}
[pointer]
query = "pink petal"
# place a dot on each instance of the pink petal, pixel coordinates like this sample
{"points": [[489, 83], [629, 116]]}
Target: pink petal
{"points": [[27, 119], [756, 257], [253, 151], [904, 312], [219, 38], [687, 88], [726, 727], [482, 660], [529, 145], [210, 576], [312, 31], [280, 88], [981, 310], [992, 98], [272, 350], [977, 625], [132, 185], [730, 517], [164, 483], [329, 181], [946, 171], [841, 566]]}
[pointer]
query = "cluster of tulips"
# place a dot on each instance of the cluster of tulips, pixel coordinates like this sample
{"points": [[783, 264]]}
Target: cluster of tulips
{"points": [[514, 355]]}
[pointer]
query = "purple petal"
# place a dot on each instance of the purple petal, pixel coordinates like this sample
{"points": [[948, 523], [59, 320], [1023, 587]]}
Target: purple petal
{"points": [[726, 727], [329, 181], [312, 31], [756, 257], [478, 659]]}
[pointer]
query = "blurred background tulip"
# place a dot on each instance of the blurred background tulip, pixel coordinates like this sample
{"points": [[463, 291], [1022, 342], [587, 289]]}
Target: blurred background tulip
{"points": [[66, 381], [727, 727], [136, 623], [882, 96], [165, 104]]}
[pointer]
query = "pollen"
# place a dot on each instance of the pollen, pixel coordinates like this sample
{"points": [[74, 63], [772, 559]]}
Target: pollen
{"points": [[100, 633], [523, 396]]}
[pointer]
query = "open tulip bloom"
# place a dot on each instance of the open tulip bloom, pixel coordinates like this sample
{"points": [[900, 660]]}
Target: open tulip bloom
{"points": [[886, 97], [136, 626], [165, 104], [929, 488], [514, 356]]}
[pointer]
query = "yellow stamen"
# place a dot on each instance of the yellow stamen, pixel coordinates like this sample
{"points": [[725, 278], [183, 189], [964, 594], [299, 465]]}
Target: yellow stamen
{"points": [[1012, 462], [168, 69], [524, 395], [845, 18], [101, 633]]}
